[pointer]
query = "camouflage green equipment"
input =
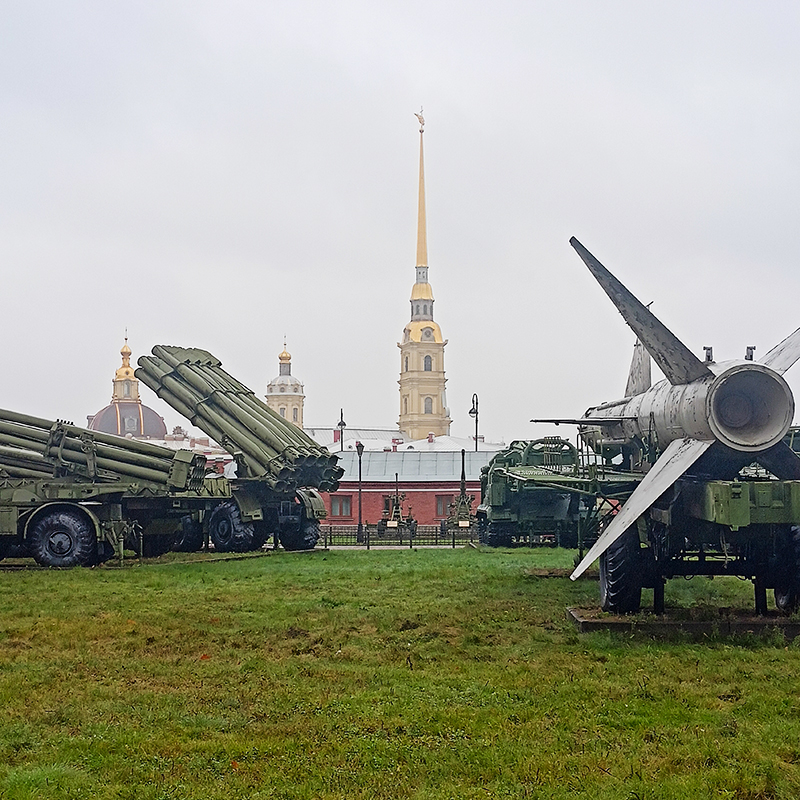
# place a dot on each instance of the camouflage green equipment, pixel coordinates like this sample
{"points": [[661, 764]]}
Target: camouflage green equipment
{"points": [[544, 492], [280, 469], [31, 447], [265, 445], [392, 521], [460, 516], [69, 496]]}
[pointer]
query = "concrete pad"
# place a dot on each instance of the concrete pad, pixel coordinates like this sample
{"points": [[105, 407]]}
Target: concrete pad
{"points": [[722, 622]]}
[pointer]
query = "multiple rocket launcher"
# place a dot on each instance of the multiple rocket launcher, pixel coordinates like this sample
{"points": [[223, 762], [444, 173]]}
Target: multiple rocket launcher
{"points": [[266, 447], [35, 448]]}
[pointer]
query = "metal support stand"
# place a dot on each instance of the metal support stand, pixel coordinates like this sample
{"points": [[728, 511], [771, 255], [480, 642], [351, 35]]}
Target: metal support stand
{"points": [[658, 596], [761, 597]]}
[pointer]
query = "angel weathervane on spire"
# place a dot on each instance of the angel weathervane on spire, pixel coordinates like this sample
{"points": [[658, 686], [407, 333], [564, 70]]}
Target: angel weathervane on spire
{"points": [[421, 120]]}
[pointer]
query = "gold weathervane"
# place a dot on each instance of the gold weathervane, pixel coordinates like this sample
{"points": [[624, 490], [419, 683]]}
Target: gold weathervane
{"points": [[421, 120]]}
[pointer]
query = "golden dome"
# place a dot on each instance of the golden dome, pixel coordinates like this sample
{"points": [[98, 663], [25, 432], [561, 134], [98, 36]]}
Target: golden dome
{"points": [[422, 330], [422, 291], [125, 371]]}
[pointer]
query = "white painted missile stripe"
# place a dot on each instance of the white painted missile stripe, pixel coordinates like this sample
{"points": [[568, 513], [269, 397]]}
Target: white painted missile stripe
{"points": [[783, 355], [675, 460]]}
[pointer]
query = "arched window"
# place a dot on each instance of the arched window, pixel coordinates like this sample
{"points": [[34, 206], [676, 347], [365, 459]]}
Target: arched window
{"points": [[429, 405], [405, 405], [428, 364], [417, 308], [425, 308], [126, 389], [294, 415], [406, 369], [282, 411]]}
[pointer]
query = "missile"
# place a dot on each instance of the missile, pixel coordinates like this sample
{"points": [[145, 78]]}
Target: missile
{"points": [[709, 419]]}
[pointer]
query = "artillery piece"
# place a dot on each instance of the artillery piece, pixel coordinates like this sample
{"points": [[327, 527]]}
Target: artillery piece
{"points": [[393, 522], [280, 470], [460, 516], [70, 496]]}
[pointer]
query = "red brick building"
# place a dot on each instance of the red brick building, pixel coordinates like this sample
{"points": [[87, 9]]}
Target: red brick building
{"points": [[429, 480]]}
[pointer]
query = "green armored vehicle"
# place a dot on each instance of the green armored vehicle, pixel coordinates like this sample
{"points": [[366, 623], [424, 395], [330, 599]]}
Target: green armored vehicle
{"points": [[69, 496], [543, 492]]}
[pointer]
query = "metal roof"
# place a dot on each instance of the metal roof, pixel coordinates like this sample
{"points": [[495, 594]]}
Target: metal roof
{"points": [[412, 466]]}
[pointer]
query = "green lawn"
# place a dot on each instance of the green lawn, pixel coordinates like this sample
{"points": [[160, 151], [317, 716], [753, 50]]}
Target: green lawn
{"points": [[407, 674]]}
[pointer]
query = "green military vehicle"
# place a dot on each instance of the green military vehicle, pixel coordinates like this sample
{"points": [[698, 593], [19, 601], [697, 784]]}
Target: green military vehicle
{"points": [[70, 497], [546, 492]]}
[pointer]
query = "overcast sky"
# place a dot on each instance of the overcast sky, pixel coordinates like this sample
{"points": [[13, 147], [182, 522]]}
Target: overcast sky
{"points": [[220, 175]]}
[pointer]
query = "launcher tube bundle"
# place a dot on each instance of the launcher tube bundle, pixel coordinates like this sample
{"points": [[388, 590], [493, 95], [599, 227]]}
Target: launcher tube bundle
{"points": [[31, 447], [265, 445]]}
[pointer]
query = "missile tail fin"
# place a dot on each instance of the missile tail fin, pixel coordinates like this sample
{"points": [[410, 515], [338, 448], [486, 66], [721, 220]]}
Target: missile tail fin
{"points": [[674, 461], [783, 355], [639, 376], [676, 361]]}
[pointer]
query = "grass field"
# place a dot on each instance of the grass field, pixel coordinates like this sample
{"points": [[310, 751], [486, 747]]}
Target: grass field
{"points": [[409, 674]]}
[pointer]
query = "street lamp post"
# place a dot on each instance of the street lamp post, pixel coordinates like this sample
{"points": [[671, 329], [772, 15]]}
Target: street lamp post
{"points": [[341, 425], [473, 412], [360, 530]]}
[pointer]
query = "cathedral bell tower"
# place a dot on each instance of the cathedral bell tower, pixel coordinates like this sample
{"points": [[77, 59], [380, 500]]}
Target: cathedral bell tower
{"points": [[423, 405]]}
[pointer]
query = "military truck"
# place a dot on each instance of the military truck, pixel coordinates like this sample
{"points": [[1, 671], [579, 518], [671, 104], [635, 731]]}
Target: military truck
{"points": [[545, 492], [69, 496]]}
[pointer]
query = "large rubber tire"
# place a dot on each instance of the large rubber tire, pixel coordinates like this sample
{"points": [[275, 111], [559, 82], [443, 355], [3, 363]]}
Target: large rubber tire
{"points": [[62, 539], [304, 538], [227, 530], [189, 538], [621, 574], [787, 584]]}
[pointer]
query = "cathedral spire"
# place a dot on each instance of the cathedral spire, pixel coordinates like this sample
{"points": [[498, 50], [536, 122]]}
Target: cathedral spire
{"points": [[422, 232], [423, 405]]}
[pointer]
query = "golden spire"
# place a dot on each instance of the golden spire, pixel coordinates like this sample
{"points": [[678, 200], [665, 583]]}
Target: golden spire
{"points": [[422, 235]]}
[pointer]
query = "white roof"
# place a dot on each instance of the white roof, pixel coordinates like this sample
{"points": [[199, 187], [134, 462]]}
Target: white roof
{"points": [[413, 466]]}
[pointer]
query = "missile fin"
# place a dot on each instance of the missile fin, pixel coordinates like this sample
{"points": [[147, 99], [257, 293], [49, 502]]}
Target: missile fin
{"points": [[674, 358], [674, 461], [639, 376], [783, 355]]}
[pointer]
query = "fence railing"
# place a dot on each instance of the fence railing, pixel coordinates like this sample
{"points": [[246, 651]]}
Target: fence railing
{"points": [[424, 536]]}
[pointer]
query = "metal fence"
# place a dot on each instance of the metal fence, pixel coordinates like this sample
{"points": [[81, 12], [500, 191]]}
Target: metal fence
{"points": [[424, 536]]}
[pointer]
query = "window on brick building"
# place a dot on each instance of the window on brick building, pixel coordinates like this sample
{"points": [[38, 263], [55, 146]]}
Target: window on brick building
{"points": [[442, 504], [340, 505]]}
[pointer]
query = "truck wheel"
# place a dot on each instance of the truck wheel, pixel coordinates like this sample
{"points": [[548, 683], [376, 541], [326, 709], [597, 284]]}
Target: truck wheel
{"points": [[227, 530], [621, 568], [189, 538], [63, 539], [499, 535], [305, 538], [787, 586]]}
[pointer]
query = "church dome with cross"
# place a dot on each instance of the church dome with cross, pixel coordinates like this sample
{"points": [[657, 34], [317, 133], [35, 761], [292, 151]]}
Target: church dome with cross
{"points": [[126, 415]]}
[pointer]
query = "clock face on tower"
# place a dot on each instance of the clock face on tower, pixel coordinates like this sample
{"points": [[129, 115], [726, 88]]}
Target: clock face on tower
{"points": [[427, 333]]}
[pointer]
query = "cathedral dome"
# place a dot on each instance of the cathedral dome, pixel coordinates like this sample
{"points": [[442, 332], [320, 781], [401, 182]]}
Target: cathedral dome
{"points": [[126, 414], [422, 330], [125, 417]]}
